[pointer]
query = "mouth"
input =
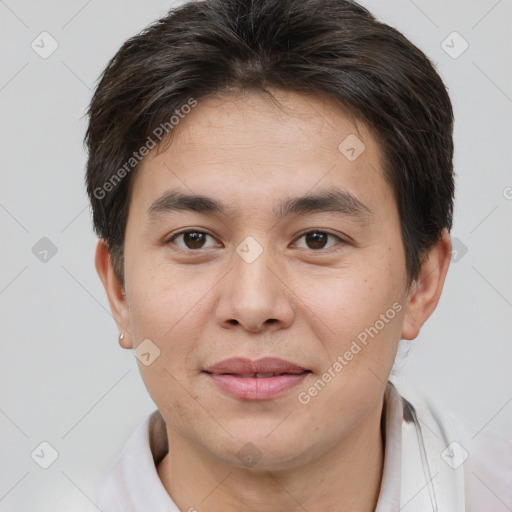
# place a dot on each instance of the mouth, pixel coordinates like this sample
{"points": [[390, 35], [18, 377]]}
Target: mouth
{"points": [[263, 379], [266, 367], [261, 375]]}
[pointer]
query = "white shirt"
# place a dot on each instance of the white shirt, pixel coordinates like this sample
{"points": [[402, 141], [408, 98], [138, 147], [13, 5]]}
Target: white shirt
{"points": [[432, 462]]}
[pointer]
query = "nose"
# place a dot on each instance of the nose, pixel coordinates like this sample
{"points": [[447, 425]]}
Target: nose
{"points": [[255, 295]]}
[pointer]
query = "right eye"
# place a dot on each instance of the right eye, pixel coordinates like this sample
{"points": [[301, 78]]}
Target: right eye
{"points": [[192, 239]]}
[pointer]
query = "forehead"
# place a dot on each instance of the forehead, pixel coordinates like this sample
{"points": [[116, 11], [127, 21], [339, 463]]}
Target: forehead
{"points": [[255, 144], [247, 121]]}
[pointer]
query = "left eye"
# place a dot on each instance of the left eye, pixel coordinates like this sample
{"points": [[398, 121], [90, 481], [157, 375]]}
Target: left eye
{"points": [[191, 239], [318, 239]]}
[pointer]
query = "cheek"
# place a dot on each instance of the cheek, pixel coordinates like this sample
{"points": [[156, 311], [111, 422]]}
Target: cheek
{"points": [[168, 317], [156, 296], [358, 316], [171, 393], [363, 319]]}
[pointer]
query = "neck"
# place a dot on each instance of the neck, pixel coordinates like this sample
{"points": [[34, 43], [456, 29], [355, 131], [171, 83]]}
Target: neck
{"points": [[346, 477]]}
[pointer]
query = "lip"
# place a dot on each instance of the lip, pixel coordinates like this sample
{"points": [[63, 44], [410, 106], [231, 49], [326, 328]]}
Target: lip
{"points": [[228, 375], [242, 365]]}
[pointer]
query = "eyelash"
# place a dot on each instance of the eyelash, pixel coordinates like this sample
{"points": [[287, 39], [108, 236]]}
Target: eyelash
{"points": [[180, 233]]}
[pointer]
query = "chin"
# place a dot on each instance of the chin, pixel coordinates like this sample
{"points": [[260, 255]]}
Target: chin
{"points": [[257, 450]]}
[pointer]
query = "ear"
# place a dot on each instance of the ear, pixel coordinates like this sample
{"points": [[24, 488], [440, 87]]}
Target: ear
{"points": [[426, 290], [115, 292]]}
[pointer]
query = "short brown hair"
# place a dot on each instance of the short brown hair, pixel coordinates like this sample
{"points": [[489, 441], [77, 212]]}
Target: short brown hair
{"points": [[329, 47]]}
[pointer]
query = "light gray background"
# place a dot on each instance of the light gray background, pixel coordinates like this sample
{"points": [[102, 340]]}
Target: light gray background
{"points": [[64, 378]]}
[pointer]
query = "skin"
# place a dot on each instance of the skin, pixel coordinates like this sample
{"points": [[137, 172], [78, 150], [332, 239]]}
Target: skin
{"points": [[299, 300]]}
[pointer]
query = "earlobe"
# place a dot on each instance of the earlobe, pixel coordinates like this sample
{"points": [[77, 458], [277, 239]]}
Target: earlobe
{"points": [[124, 342], [115, 292], [426, 290]]}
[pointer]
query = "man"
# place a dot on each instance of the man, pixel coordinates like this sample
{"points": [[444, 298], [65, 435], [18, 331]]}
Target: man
{"points": [[272, 185]]}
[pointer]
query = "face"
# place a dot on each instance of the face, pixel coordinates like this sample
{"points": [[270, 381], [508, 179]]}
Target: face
{"points": [[295, 254]]}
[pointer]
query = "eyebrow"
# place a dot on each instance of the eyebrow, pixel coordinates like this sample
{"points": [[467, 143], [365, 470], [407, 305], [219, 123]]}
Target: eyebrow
{"points": [[332, 200]]}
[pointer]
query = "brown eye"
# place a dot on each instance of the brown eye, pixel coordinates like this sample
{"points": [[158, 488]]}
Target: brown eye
{"points": [[318, 239], [191, 239]]}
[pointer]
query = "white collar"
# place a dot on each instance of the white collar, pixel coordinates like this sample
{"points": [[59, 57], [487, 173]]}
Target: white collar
{"points": [[416, 477]]}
